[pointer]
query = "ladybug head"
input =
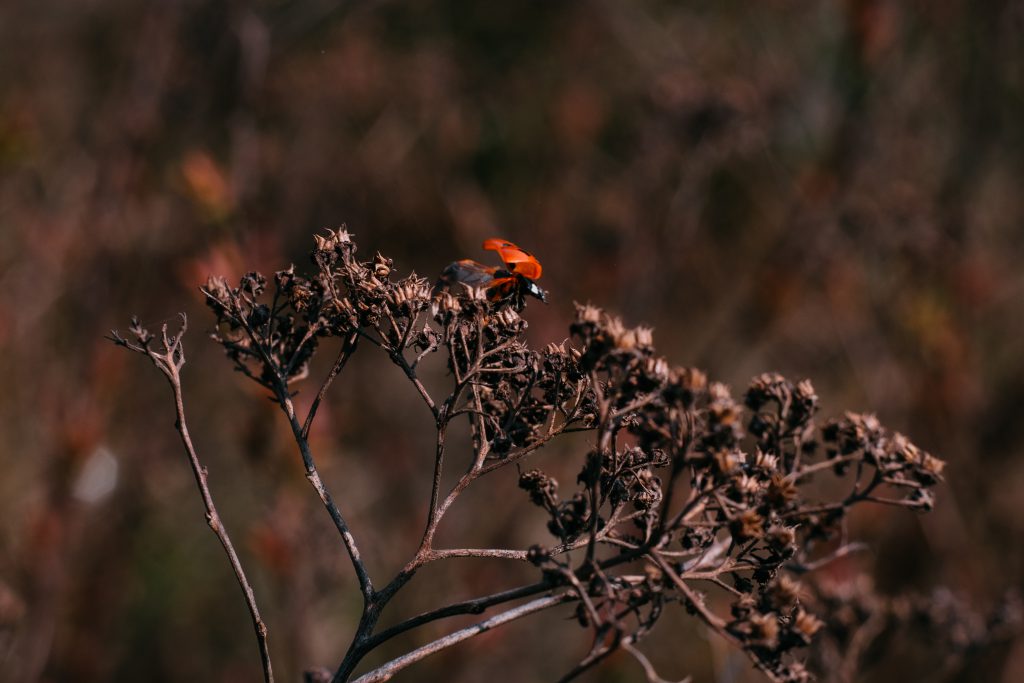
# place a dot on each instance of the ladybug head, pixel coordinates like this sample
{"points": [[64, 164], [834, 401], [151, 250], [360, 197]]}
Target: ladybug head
{"points": [[530, 287]]}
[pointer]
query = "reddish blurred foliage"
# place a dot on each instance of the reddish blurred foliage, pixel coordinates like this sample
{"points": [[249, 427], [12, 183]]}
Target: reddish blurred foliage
{"points": [[826, 189]]}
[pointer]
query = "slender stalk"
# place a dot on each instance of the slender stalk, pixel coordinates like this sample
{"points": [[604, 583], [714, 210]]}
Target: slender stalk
{"points": [[807, 470], [598, 654], [385, 672], [170, 360], [401, 362], [313, 475], [280, 388], [435, 489], [347, 349], [712, 620], [214, 520], [473, 606]]}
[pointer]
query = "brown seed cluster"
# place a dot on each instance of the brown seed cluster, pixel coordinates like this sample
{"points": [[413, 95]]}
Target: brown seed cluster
{"points": [[708, 486], [686, 495]]}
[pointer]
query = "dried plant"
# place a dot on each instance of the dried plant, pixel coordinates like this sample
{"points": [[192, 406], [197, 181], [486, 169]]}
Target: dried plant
{"points": [[684, 488]]}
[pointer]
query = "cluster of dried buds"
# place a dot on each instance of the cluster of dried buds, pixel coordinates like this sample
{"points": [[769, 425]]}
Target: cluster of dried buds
{"points": [[708, 489], [686, 495]]}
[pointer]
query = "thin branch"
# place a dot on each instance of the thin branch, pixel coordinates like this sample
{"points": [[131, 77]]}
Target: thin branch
{"points": [[385, 672], [348, 347], [365, 584], [711, 619], [649, 671], [473, 606], [806, 470], [500, 553], [284, 399], [597, 655], [214, 520], [169, 362], [399, 360], [435, 489], [362, 646], [840, 552]]}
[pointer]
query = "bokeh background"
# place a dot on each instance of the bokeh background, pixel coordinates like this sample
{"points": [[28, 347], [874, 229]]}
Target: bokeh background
{"points": [[828, 189]]}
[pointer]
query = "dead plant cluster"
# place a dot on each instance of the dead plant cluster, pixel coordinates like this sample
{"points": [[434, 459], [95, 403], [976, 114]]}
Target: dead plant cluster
{"points": [[689, 497]]}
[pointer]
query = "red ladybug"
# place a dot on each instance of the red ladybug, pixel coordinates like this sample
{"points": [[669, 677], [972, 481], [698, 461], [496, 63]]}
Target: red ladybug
{"points": [[514, 281]]}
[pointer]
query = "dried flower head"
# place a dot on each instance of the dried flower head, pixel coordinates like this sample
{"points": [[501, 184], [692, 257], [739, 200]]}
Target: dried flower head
{"points": [[677, 478]]}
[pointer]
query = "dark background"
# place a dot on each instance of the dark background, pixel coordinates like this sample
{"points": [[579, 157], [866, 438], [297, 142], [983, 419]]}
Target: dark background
{"points": [[827, 189]]}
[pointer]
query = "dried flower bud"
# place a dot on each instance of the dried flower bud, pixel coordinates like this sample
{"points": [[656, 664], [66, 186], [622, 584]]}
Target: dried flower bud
{"points": [[805, 402], [333, 247], [656, 368], [622, 338], [781, 492], [627, 341], [217, 289], [931, 469], [382, 266], [745, 487], [852, 433], [900, 448], [253, 283], [793, 672], [784, 592], [699, 537], [765, 628], [770, 386], [804, 625], [283, 278], [646, 492], [747, 526], [764, 462], [588, 314], [685, 385], [411, 292], [510, 319], [543, 489], [554, 349], [444, 305], [743, 606], [644, 337], [727, 462], [757, 629], [781, 539], [300, 296], [722, 409]]}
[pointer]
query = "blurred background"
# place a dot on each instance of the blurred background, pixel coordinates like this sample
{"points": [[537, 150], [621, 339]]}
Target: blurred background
{"points": [[826, 189]]}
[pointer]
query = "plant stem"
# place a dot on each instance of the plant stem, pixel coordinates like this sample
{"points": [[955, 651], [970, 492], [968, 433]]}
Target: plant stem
{"points": [[385, 672]]}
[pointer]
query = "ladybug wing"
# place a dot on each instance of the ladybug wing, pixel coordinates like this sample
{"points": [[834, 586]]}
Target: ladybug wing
{"points": [[467, 272], [518, 261]]}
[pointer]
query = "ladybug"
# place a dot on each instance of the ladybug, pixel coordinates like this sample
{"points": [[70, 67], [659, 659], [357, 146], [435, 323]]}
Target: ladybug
{"points": [[510, 283]]}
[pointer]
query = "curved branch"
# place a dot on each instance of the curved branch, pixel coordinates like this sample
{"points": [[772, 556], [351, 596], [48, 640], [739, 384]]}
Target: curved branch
{"points": [[348, 347], [170, 361], [365, 584], [385, 672]]}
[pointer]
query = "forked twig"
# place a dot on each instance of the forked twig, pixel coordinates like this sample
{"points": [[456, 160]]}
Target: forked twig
{"points": [[169, 358]]}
